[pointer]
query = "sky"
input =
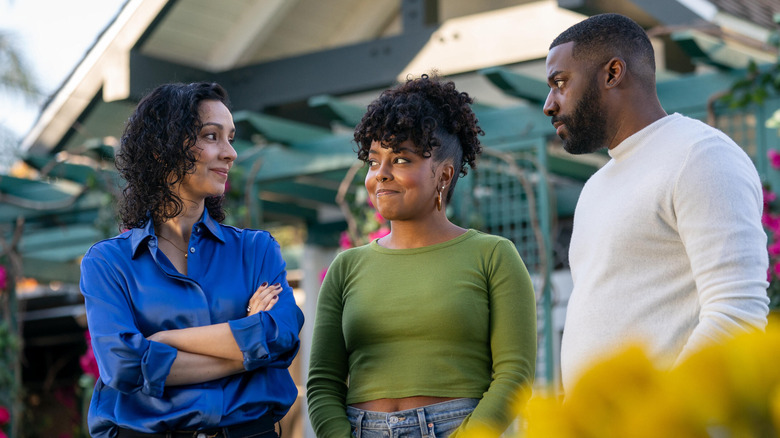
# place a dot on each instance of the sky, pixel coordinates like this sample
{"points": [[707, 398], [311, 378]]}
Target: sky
{"points": [[53, 36]]}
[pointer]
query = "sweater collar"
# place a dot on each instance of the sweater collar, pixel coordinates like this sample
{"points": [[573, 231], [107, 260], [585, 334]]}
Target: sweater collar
{"points": [[627, 146]]}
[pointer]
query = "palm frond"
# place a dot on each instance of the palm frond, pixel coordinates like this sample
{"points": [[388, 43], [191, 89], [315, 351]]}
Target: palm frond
{"points": [[15, 74]]}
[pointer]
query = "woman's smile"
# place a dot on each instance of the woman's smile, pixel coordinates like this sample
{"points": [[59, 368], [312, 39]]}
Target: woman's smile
{"points": [[386, 192]]}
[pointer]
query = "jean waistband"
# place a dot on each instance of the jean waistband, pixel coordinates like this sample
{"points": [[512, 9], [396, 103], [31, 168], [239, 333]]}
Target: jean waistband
{"points": [[435, 412], [251, 428]]}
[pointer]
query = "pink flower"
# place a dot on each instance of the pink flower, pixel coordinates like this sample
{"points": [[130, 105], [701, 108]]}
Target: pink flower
{"points": [[3, 435], [771, 222], [378, 234], [87, 360], [777, 268], [766, 219], [5, 416], [774, 248], [774, 158], [344, 241], [774, 224], [3, 278], [379, 217], [322, 275], [769, 196]]}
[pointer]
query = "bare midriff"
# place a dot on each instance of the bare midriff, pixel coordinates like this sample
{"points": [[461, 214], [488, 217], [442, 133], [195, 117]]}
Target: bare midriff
{"points": [[399, 404]]}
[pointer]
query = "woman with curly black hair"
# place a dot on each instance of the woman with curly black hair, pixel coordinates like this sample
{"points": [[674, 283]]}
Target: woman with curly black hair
{"points": [[430, 330], [192, 322]]}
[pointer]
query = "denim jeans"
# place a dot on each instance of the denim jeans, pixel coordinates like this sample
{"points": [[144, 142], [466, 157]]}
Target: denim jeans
{"points": [[433, 421]]}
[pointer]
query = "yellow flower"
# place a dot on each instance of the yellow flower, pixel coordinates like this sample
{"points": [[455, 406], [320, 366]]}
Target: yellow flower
{"points": [[549, 419], [728, 389], [479, 432]]}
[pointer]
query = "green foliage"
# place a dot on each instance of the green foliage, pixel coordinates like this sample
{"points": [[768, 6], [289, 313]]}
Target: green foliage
{"points": [[107, 217], [759, 83], [236, 210], [14, 71], [15, 79], [9, 347]]}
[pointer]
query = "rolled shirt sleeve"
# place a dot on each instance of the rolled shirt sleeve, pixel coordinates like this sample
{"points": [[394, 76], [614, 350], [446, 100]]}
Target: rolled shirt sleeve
{"points": [[127, 361], [270, 338]]}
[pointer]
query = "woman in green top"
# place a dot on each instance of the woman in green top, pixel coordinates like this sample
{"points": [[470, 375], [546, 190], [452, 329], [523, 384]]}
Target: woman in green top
{"points": [[430, 330]]}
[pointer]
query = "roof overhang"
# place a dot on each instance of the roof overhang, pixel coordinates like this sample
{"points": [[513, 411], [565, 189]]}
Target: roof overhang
{"points": [[105, 66], [118, 67]]}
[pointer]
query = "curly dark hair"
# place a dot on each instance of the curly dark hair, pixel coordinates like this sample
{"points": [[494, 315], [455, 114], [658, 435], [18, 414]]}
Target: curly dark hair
{"points": [[431, 113], [156, 152], [599, 38]]}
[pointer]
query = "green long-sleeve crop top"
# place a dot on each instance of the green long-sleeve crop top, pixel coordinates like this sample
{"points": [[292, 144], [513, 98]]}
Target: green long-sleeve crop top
{"points": [[455, 319]]}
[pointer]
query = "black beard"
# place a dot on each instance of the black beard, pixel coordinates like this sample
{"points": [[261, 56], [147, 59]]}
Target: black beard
{"points": [[587, 125]]}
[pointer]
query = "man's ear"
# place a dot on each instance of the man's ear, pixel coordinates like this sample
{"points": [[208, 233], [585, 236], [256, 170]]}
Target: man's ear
{"points": [[616, 71]]}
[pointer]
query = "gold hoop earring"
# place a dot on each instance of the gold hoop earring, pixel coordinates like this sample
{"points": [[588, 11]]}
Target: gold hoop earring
{"points": [[438, 199]]}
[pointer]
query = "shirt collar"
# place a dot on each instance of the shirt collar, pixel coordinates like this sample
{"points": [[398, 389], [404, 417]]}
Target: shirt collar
{"points": [[140, 235], [213, 226]]}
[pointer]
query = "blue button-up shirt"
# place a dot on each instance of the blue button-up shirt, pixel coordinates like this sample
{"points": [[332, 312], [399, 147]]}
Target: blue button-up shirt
{"points": [[132, 290]]}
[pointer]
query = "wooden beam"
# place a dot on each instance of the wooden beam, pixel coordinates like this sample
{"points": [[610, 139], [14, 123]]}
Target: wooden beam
{"points": [[720, 52], [338, 110], [517, 85], [276, 129], [46, 271], [258, 22]]}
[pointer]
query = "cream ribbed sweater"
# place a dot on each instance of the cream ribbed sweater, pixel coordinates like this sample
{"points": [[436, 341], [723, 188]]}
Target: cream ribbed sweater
{"points": [[667, 247]]}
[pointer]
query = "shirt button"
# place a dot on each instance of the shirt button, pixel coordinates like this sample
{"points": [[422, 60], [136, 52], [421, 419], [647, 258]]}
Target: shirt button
{"points": [[192, 250], [393, 419]]}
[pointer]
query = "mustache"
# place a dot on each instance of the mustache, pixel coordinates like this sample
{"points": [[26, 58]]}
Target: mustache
{"points": [[556, 118]]}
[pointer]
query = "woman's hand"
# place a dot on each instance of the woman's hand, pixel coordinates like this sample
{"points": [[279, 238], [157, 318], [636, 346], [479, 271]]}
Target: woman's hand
{"points": [[264, 298]]}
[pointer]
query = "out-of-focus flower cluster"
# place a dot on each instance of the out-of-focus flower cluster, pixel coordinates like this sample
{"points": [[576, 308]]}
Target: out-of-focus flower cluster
{"points": [[771, 222], [731, 389], [370, 225], [87, 360], [5, 418]]}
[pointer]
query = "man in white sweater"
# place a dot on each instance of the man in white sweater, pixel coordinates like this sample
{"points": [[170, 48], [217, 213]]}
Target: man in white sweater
{"points": [[667, 247]]}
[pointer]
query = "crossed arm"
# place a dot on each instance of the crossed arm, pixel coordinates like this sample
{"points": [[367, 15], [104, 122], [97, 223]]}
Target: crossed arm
{"points": [[211, 352]]}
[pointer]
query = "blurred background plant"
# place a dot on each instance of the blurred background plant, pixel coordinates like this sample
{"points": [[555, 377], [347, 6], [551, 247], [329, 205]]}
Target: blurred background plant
{"points": [[9, 355], [364, 223], [15, 78], [771, 221], [759, 84]]}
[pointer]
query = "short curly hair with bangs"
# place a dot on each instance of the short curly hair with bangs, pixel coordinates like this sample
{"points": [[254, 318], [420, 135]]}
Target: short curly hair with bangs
{"points": [[431, 113], [155, 152]]}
